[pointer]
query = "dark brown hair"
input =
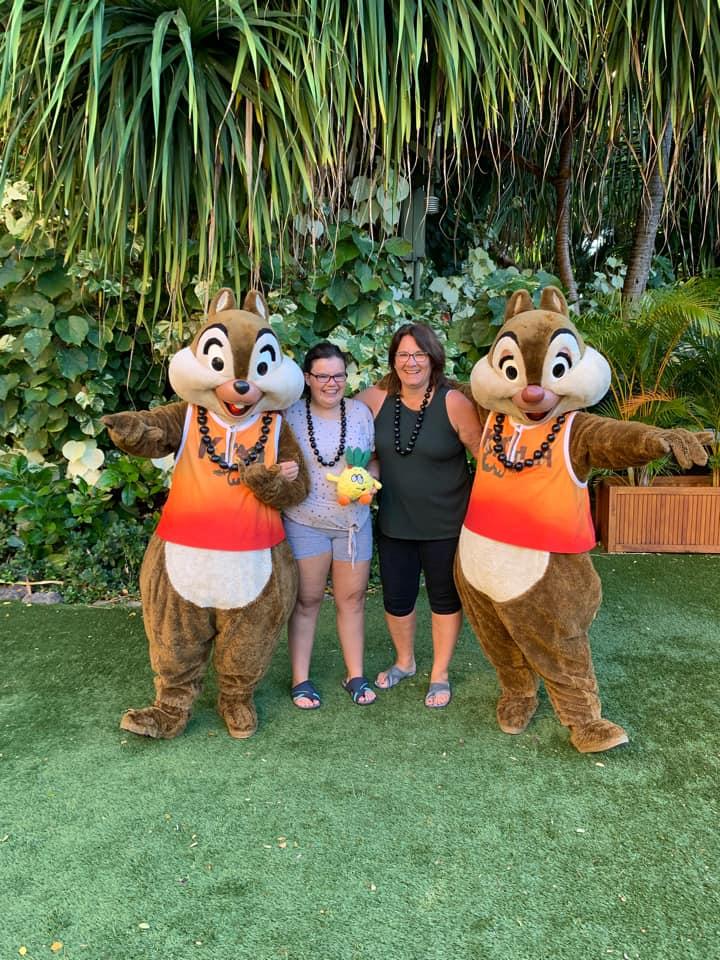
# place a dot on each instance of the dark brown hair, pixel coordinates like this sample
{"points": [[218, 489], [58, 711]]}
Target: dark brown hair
{"points": [[321, 351], [427, 341]]}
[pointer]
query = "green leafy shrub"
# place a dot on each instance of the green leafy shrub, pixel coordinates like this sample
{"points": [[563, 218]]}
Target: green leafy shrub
{"points": [[90, 538], [67, 354], [475, 301]]}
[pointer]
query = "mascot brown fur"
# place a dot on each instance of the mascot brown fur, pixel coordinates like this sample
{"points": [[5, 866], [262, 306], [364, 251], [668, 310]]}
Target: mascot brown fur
{"points": [[527, 584], [218, 569]]}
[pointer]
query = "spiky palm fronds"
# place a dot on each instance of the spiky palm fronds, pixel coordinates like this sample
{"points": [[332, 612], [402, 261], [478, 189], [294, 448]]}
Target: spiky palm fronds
{"points": [[138, 121], [649, 348], [197, 127]]}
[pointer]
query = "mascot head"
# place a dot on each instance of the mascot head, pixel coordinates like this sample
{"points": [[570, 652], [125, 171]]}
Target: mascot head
{"points": [[235, 366], [539, 366]]}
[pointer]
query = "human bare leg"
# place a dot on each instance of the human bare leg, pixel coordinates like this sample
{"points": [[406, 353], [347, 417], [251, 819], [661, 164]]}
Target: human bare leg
{"points": [[312, 580], [402, 634], [445, 632], [349, 588]]}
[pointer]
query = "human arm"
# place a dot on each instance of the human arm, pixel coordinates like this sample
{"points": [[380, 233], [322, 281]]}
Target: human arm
{"points": [[148, 433], [463, 416], [373, 397], [373, 468]]}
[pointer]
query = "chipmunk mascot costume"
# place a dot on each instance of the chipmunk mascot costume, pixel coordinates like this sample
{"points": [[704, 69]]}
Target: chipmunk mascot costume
{"points": [[522, 569], [218, 568]]}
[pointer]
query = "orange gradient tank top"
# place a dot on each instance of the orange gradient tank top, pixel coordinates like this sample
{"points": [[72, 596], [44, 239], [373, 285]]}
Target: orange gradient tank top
{"points": [[544, 507], [210, 508]]}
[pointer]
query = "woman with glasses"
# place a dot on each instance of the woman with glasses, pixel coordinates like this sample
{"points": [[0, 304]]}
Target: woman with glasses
{"points": [[423, 432], [327, 538]]}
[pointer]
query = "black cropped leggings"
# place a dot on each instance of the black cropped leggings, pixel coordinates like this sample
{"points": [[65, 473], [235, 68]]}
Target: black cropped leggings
{"points": [[401, 562]]}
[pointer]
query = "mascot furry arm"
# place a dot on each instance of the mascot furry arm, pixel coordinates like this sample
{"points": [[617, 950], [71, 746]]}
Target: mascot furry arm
{"points": [[522, 569], [158, 432]]}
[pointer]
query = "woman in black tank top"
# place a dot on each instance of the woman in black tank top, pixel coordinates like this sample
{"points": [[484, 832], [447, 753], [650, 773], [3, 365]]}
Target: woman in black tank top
{"points": [[423, 432]]}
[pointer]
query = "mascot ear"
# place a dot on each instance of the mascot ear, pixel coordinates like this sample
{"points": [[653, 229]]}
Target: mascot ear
{"points": [[255, 303], [223, 300], [552, 299], [519, 302]]}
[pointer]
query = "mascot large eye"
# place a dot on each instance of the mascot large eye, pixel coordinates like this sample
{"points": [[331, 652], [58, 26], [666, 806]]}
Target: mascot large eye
{"points": [[508, 369], [562, 355], [213, 349], [266, 355], [269, 356], [561, 365], [507, 359]]}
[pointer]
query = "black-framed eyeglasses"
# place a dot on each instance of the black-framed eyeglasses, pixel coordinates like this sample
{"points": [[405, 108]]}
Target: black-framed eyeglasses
{"points": [[325, 378], [420, 357]]}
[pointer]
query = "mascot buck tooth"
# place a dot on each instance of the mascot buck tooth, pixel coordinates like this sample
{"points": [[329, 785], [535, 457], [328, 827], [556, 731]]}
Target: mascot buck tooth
{"points": [[218, 567], [527, 584]]}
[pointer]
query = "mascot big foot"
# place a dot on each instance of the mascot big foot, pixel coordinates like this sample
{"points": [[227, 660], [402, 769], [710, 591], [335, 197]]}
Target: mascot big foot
{"points": [[218, 578], [527, 584]]}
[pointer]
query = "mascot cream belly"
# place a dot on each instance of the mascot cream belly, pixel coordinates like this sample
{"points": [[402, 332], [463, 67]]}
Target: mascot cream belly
{"points": [[218, 577], [528, 587]]}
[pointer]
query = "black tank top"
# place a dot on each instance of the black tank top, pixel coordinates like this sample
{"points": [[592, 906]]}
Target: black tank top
{"points": [[424, 495]]}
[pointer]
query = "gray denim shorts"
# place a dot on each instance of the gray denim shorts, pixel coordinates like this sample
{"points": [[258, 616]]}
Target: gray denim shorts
{"points": [[351, 545]]}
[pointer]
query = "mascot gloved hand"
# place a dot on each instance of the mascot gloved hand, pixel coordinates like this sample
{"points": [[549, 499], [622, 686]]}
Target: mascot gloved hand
{"points": [[218, 576], [527, 584]]}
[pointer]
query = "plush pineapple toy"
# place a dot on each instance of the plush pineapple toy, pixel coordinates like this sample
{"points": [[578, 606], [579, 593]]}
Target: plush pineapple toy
{"points": [[355, 483]]}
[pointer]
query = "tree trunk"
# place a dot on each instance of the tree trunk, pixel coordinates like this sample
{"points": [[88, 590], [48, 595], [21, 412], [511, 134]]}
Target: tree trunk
{"points": [[562, 182], [651, 204]]}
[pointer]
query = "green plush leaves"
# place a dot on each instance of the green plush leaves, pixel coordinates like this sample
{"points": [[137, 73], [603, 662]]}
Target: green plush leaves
{"points": [[357, 457]]}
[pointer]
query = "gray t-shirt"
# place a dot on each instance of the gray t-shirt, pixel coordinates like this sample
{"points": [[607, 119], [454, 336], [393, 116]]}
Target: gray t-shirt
{"points": [[321, 508]]}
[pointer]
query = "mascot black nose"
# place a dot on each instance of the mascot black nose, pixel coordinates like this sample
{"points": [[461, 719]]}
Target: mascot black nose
{"points": [[242, 386]]}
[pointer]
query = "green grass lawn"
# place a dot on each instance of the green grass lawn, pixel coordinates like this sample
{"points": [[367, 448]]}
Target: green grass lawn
{"points": [[384, 832]]}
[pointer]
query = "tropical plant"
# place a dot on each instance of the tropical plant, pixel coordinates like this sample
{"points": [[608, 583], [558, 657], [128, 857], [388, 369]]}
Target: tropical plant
{"points": [[655, 356], [614, 134], [199, 130], [699, 379], [68, 351], [91, 539], [474, 301]]}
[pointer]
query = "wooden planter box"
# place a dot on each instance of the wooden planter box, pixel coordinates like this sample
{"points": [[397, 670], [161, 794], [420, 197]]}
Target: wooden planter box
{"points": [[674, 515]]}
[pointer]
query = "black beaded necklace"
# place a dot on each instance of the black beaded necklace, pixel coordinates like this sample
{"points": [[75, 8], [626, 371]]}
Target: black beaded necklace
{"points": [[252, 454], [418, 423], [311, 434], [537, 455]]}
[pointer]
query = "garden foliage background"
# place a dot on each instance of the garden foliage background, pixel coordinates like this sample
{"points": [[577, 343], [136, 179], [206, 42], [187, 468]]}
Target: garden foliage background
{"points": [[363, 165]]}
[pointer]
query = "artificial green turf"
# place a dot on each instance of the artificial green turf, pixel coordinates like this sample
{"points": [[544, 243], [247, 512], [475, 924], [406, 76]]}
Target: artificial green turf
{"points": [[384, 832]]}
